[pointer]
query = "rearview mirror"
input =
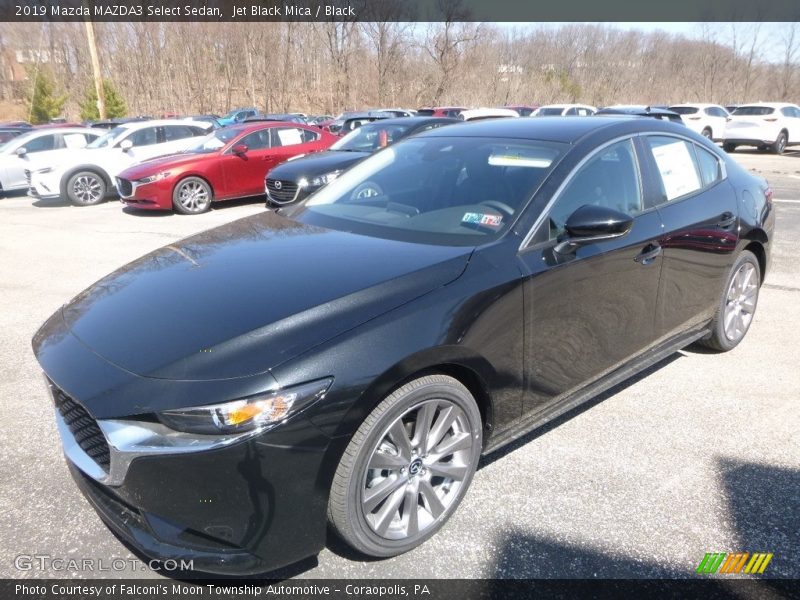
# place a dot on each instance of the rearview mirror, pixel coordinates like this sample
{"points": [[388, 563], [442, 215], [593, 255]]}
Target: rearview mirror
{"points": [[240, 149], [590, 224], [125, 145], [22, 151]]}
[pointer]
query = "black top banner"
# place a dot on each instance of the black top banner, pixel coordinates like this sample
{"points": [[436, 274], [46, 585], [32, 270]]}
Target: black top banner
{"points": [[522, 11]]}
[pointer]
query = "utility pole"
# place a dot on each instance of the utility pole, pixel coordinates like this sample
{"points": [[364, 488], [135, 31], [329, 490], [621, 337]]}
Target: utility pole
{"points": [[98, 76]]}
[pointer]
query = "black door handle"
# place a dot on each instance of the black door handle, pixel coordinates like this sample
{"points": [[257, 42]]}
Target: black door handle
{"points": [[648, 254], [727, 219]]}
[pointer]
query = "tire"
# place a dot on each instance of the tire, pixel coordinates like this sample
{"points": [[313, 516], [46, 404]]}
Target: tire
{"points": [[780, 144], [728, 147], [737, 304], [706, 133], [370, 507], [86, 188], [192, 196]]}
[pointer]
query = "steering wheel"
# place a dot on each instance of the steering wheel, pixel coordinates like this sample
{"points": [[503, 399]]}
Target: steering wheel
{"points": [[365, 191], [501, 206]]}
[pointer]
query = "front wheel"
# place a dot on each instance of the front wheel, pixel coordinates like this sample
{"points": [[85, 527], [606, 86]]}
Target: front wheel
{"points": [[407, 467], [706, 133], [737, 305], [191, 196], [86, 188]]}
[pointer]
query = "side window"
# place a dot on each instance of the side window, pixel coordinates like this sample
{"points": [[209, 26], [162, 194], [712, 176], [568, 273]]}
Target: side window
{"points": [[75, 140], [199, 131], [610, 178], [571, 112], [41, 144], [144, 137], [710, 169], [258, 140], [676, 166], [787, 111], [287, 136], [173, 133]]}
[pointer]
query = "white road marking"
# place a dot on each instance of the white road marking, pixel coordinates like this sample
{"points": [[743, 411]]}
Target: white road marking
{"points": [[786, 201]]}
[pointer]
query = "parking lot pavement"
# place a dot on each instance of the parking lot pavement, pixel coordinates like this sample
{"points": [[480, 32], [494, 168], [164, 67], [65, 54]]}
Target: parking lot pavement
{"points": [[700, 455]]}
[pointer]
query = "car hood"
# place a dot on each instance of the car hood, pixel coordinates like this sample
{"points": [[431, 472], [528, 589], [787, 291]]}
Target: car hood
{"points": [[316, 164], [243, 298], [157, 165]]}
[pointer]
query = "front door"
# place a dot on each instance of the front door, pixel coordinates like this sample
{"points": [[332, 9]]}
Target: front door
{"points": [[589, 312]]}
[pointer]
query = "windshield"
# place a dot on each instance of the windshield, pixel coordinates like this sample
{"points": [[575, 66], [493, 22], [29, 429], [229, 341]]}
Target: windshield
{"points": [[107, 140], [371, 137], [684, 110], [435, 190], [549, 112], [753, 111], [213, 141]]}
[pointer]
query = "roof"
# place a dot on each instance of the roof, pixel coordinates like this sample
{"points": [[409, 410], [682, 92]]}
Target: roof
{"points": [[697, 104], [554, 129], [477, 113], [413, 121], [769, 104]]}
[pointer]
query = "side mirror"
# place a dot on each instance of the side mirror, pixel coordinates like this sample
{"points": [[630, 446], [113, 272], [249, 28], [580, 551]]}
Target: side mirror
{"points": [[21, 151], [590, 224], [126, 145], [239, 149]]}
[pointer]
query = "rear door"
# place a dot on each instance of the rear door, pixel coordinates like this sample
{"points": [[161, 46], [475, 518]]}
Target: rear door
{"points": [[178, 137], [288, 142], [698, 207], [590, 312]]}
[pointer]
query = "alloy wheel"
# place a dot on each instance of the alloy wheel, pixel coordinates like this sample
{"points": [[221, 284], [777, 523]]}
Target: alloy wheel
{"points": [[740, 302], [193, 196], [416, 470], [87, 189]]}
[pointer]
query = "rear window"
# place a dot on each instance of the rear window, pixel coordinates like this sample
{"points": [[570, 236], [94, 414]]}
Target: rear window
{"points": [[684, 110], [549, 112], [753, 111]]}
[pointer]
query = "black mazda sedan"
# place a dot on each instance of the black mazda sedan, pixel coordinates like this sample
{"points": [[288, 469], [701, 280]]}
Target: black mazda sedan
{"points": [[230, 396], [300, 177]]}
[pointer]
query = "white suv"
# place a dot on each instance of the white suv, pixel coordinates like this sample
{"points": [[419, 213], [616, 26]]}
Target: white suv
{"points": [[85, 176], [766, 125], [564, 110], [51, 144], [708, 120]]}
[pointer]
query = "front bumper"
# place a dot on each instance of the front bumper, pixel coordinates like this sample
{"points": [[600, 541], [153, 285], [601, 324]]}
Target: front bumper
{"points": [[246, 509], [156, 195], [46, 185]]}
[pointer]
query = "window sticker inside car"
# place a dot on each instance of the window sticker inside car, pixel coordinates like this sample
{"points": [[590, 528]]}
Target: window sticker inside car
{"points": [[494, 221]]}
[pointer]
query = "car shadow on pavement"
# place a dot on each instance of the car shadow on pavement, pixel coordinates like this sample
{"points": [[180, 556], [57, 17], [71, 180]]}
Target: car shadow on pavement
{"points": [[131, 210], [51, 203]]}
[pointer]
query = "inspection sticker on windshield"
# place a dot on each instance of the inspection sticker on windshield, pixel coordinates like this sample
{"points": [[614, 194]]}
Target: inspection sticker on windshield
{"points": [[494, 221]]}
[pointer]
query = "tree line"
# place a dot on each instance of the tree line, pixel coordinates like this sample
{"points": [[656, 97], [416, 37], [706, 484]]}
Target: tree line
{"points": [[323, 68]]}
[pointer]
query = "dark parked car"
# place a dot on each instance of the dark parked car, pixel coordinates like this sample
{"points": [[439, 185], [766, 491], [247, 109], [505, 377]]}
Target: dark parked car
{"points": [[300, 177], [9, 133], [655, 112], [229, 397]]}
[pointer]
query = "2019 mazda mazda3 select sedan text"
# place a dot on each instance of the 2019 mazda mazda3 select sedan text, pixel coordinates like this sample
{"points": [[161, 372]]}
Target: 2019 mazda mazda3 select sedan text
{"points": [[347, 360]]}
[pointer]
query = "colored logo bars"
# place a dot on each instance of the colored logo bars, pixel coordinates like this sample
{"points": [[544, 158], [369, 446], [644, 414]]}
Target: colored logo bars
{"points": [[721, 562]]}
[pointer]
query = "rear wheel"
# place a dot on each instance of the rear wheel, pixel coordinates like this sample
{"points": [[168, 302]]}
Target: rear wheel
{"points": [[780, 144], [706, 133], [737, 305], [407, 467], [191, 196], [86, 188], [728, 147]]}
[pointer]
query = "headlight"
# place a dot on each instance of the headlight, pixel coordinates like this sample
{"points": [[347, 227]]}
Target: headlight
{"points": [[155, 177], [324, 179], [247, 414]]}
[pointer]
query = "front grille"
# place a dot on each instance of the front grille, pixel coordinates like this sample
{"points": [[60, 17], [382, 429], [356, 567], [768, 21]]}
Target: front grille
{"points": [[281, 191], [125, 187], [83, 427]]}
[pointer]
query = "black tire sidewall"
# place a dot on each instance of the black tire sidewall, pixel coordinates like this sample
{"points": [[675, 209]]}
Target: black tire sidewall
{"points": [[77, 201], [176, 205], [780, 144], [368, 541]]}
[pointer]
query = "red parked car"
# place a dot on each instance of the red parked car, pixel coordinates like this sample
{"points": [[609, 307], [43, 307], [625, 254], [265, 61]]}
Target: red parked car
{"points": [[441, 111], [230, 163]]}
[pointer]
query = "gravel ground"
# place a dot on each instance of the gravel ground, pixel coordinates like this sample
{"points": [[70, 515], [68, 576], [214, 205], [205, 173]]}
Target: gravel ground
{"points": [[700, 454]]}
